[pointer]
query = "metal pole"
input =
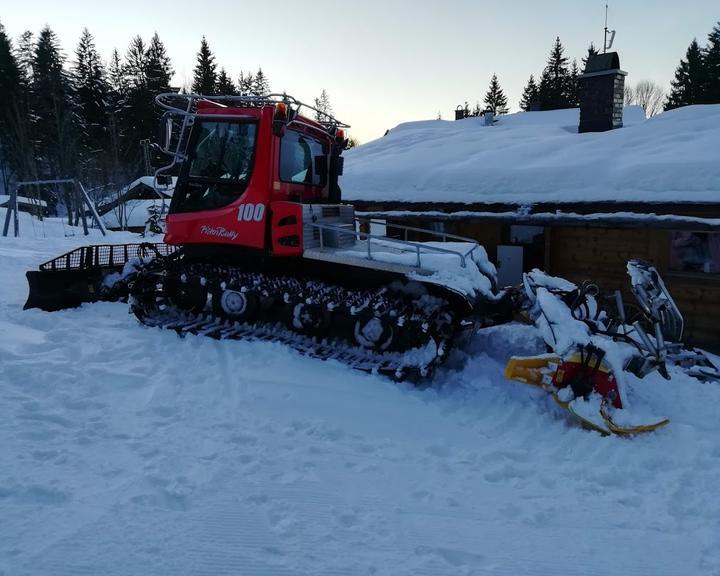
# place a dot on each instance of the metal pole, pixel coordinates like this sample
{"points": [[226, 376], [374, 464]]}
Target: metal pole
{"points": [[93, 211], [6, 227], [81, 210]]}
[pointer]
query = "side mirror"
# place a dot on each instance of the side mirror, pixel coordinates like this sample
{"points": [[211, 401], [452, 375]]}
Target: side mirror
{"points": [[321, 168], [337, 164], [166, 131]]}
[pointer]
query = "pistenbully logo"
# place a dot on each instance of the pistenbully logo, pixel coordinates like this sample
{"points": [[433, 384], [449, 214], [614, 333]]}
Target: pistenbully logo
{"points": [[218, 232]]}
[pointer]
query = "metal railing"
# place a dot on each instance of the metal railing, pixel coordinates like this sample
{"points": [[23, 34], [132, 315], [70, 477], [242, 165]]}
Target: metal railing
{"points": [[182, 104], [417, 247]]}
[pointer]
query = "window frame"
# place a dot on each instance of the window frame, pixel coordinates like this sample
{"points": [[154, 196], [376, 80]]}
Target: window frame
{"points": [[325, 149], [690, 274]]}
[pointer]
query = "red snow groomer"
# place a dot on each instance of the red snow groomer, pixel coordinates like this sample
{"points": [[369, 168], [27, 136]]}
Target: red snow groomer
{"points": [[258, 245]]}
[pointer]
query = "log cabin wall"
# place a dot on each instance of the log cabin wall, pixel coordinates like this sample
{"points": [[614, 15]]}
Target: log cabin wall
{"points": [[600, 254]]}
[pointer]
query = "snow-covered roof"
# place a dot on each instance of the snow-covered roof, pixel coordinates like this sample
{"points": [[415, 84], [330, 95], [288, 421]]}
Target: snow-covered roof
{"points": [[150, 182], [133, 213], [4, 198], [534, 157]]}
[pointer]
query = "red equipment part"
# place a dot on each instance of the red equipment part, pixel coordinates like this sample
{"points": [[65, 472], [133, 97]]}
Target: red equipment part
{"points": [[585, 376]]}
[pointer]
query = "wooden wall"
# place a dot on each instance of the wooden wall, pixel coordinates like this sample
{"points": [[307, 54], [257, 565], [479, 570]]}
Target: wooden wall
{"points": [[600, 255]]}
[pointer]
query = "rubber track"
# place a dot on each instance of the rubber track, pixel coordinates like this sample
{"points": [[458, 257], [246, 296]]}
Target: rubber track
{"points": [[393, 364], [152, 307]]}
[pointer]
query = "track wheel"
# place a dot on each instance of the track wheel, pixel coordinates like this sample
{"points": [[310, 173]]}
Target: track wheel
{"points": [[307, 317], [234, 304], [190, 294], [373, 332]]}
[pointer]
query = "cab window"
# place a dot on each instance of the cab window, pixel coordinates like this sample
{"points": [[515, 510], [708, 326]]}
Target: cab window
{"points": [[297, 158]]}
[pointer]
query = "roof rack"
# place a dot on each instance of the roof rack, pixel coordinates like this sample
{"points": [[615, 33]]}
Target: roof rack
{"points": [[186, 104]]}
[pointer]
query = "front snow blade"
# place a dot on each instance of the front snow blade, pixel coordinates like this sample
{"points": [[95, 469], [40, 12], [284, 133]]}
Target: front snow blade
{"points": [[58, 289], [79, 275]]}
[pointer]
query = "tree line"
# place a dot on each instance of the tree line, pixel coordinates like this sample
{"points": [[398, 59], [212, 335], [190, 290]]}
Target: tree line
{"points": [[697, 81], [85, 118], [697, 77]]}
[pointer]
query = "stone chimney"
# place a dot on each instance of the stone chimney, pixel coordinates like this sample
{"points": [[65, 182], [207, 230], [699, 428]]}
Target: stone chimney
{"points": [[601, 90]]}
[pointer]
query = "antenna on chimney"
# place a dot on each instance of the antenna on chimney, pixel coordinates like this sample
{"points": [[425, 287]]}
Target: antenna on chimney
{"points": [[607, 45]]}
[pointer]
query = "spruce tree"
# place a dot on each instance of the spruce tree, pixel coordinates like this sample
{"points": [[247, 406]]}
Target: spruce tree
{"points": [[591, 52], [138, 117], [246, 84], [529, 95], [712, 66], [205, 77], [136, 63], [553, 90], [25, 54], [19, 137], [52, 109], [572, 93], [225, 85], [323, 107], [495, 98], [262, 85], [690, 81], [158, 68], [91, 91], [9, 95], [117, 108]]}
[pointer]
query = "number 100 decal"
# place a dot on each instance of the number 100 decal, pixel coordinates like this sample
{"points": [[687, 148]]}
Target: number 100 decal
{"points": [[251, 212]]}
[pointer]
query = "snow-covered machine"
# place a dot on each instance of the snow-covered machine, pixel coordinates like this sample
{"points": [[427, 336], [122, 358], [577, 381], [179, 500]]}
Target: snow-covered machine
{"points": [[600, 345], [258, 245]]}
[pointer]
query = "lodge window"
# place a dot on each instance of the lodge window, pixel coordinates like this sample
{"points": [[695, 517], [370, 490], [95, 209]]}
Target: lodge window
{"points": [[695, 252]]}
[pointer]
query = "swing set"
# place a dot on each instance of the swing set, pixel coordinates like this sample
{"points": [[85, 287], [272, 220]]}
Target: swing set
{"points": [[76, 200]]}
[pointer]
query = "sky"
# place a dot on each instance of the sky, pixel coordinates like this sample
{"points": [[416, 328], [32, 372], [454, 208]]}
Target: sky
{"points": [[383, 62]]}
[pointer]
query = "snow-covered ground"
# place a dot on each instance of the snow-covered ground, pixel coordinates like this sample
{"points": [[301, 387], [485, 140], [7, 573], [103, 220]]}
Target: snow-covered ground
{"points": [[532, 157], [127, 450]]}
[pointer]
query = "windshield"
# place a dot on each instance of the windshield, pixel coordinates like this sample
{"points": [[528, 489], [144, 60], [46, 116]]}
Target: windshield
{"points": [[220, 166], [223, 151]]}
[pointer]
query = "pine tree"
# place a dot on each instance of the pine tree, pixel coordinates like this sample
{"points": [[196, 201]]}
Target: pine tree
{"points": [[690, 81], [591, 52], [572, 94], [323, 107], [158, 68], [712, 66], [553, 90], [117, 106], [52, 109], [205, 77], [262, 85], [20, 152], [246, 84], [138, 115], [136, 64], [476, 111], [225, 85], [25, 54], [495, 98], [529, 95], [10, 77], [91, 91]]}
